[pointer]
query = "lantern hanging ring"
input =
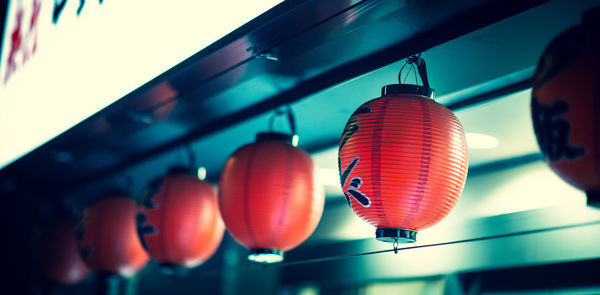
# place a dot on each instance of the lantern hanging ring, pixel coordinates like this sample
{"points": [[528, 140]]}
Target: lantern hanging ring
{"points": [[417, 64], [290, 116]]}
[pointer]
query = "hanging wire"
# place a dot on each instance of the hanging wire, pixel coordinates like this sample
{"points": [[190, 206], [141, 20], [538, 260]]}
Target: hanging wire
{"points": [[191, 155], [289, 113], [416, 75], [410, 69], [122, 182], [413, 62], [347, 256], [128, 186], [417, 64]]}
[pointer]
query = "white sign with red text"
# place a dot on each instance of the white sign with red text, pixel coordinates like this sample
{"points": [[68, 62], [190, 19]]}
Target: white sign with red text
{"points": [[64, 60]]}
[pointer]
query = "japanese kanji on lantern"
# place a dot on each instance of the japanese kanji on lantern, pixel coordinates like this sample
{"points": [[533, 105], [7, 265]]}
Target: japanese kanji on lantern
{"points": [[403, 159], [180, 224], [565, 105], [109, 242], [269, 196]]}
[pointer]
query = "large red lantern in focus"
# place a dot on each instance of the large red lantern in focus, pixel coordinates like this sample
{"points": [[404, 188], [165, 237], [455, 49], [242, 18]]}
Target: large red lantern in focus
{"points": [[269, 197], [60, 260], [565, 105], [403, 160], [109, 241], [180, 224]]}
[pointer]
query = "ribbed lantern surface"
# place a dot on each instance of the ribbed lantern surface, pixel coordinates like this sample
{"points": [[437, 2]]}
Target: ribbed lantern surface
{"points": [[180, 223], [109, 240], [403, 164], [269, 197]]}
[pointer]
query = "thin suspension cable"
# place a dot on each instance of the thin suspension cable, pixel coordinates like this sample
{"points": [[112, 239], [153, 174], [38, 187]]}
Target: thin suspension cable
{"points": [[347, 256], [417, 66]]}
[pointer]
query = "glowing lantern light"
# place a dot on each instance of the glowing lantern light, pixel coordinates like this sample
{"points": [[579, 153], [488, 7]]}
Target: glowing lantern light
{"points": [[269, 196], [59, 255], [108, 239], [565, 105], [403, 160], [180, 225]]}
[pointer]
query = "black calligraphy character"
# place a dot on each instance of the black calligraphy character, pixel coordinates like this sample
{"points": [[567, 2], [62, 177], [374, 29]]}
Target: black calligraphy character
{"points": [[352, 126], [354, 185], [349, 130], [80, 8], [144, 228], [59, 5], [552, 131]]}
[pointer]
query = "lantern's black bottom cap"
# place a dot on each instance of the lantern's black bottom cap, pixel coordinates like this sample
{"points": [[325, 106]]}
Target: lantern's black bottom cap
{"points": [[391, 235], [265, 255], [593, 199]]}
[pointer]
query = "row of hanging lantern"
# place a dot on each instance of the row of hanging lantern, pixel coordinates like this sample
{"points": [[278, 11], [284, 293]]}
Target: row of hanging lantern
{"points": [[269, 198], [402, 162]]}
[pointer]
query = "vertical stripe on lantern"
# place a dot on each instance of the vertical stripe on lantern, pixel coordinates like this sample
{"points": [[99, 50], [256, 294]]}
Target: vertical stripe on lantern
{"points": [[375, 159], [248, 180], [424, 165], [285, 196]]}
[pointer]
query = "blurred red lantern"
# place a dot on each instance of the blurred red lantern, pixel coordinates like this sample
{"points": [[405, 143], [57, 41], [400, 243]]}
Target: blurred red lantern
{"points": [[565, 105], [269, 197], [59, 255], [180, 224], [403, 161], [108, 239]]}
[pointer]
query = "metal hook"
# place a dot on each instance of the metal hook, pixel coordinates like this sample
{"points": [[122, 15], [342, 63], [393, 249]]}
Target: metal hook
{"points": [[396, 245], [290, 116], [257, 52]]}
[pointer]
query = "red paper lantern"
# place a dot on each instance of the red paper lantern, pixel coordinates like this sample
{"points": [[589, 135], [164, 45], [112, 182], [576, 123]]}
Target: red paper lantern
{"points": [[565, 106], [403, 162], [269, 197], [109, 241], [59, 255], [180, 225]]}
